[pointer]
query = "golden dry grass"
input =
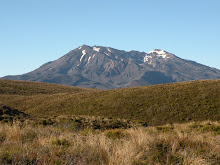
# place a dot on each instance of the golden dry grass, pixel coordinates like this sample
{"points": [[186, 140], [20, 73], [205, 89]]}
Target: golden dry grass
{"points": [[184, 144]]}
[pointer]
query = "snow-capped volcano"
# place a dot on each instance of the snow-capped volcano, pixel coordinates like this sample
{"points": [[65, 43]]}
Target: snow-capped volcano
{"points": [[157, 53], [107, 68]]}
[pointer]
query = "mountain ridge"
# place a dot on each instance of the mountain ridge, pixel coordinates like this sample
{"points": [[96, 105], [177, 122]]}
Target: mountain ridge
{"points": [[108, 68]]}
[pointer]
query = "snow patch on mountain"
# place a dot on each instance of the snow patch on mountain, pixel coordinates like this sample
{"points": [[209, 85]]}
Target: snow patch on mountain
{"points": [[156, 53], [83, 54], [88, 60], [164, 56], [107, 54], [96, 49], [147, 58]]}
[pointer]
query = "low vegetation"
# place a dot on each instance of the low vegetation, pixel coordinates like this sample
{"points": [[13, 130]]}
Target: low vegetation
{"points": [[194, 143], [173, 124], [27, 88], [153, 105]]}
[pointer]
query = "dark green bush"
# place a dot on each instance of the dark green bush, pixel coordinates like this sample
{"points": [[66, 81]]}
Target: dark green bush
{"points": [[114, 134], [6, 158], [60, 142], [2, 137]]}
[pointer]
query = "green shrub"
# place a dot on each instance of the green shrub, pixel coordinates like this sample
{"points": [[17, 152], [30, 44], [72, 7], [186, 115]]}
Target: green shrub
{"points": [[2, 137], [4, 120], [6, 158], [207, 128], [114, 134], [211, 128], [28, 135], [165, 129], [159, 153], [60, 142], [69, 124]]}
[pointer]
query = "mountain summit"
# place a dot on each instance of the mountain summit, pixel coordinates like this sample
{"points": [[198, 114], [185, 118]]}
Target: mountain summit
{"points": [[108, 68]]}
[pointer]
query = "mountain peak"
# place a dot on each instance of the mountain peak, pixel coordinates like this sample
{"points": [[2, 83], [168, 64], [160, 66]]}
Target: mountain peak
{"points": [[106, 68], [95, 48], [157, 51], [84, 47]]}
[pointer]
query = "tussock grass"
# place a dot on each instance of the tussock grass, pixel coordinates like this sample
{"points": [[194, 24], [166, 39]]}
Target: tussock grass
{"points": [[153, 105], [169, 144], [55, 124]]}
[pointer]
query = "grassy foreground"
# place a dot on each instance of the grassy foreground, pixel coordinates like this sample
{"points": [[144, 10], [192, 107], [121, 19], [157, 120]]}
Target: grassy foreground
{"points": [[43, 123], [195, 143]]}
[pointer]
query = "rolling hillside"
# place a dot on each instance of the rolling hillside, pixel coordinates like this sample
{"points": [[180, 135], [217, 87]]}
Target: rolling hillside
{"points": [[158, 104], [10, 87]]}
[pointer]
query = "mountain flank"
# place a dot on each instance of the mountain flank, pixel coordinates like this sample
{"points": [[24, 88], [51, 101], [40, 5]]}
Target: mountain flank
{"points": [[108, 68]]}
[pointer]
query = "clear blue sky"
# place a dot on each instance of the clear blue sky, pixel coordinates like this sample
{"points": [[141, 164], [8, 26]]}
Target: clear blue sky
{"points": [[33, 32]]}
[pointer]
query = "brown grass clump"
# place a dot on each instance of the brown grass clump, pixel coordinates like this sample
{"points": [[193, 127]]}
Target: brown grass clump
{"points": [[183, 144]]}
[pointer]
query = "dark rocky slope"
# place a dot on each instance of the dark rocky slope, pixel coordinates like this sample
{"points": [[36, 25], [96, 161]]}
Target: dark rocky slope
{"points": [[107, 68]]}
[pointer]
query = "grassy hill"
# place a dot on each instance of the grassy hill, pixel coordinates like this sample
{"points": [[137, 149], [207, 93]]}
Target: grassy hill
{"points": [[158, 104], [10, 87]]}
